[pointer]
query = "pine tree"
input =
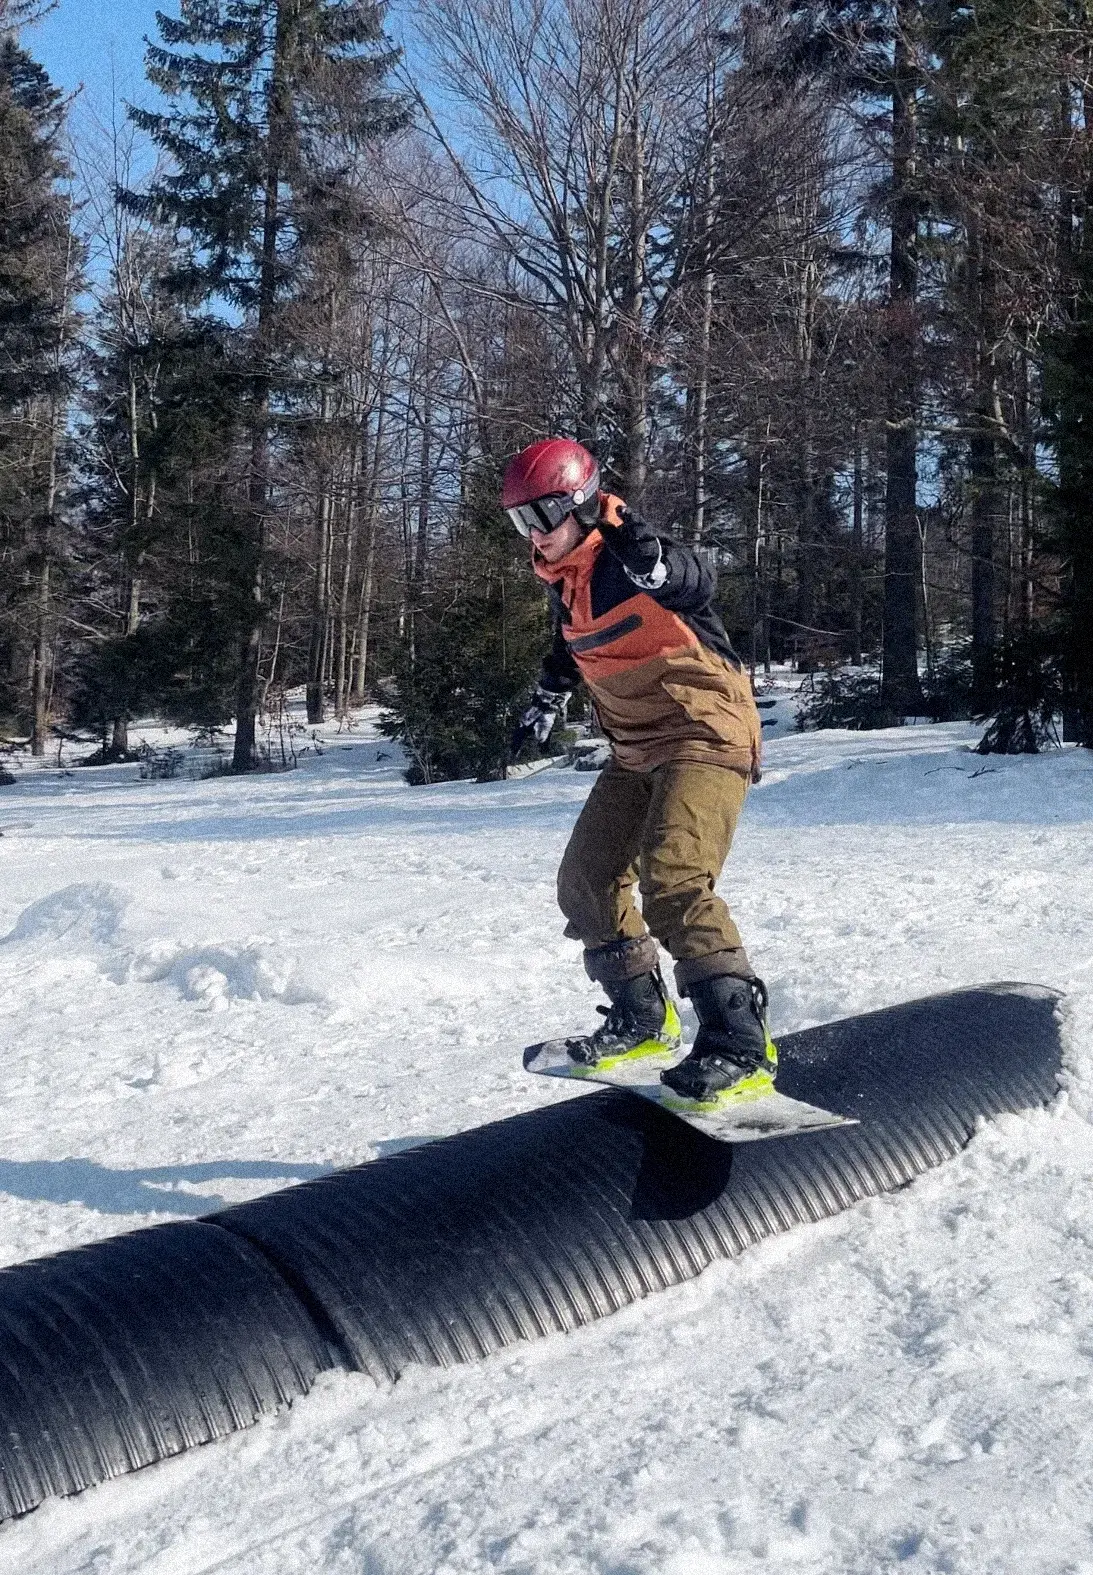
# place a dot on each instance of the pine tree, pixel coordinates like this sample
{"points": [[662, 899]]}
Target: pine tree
{"points": [[272, 103], [1071, 388], [479, 636], [135, 337], [992, 125], [39, 263], [165, 548]]}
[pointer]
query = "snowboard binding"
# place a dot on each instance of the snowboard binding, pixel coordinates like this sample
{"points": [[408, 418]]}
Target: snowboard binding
{"points": [[641, 1024], [733, 1057]]}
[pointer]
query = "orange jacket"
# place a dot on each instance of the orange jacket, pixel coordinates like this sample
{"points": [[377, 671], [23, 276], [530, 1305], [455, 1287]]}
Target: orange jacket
{"points": [[665, 681]]}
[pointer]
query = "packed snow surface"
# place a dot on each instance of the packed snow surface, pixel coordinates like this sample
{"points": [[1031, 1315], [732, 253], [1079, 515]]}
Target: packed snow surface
{"points": [[209, 989]]}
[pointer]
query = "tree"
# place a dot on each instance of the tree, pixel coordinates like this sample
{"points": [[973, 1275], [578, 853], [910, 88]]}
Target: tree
{"points": [[901, 689], [1071, 389], [590, 130], [135, 328], [39, 269], [274, 102], [991, 123], [480, 634], [876, 57]]}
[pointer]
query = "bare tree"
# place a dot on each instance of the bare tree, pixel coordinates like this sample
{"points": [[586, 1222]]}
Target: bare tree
{"points": [[580, 111]]}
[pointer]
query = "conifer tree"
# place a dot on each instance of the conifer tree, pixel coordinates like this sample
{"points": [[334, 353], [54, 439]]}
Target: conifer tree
{"points": [[479, 636], [1071, 387], [162, 543], [135, 332], [272, 103], [992, 122], [39, 263]]}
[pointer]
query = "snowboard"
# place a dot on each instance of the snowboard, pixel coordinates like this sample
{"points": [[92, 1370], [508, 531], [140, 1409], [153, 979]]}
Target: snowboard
{"points": [[748, 1121]]}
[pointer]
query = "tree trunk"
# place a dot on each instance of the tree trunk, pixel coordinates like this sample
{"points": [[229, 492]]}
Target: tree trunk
{"points": [[41, 687], [753, 539], [364, 605], [271, 677], [857, 552], [119, 740], [807, 537], [341, 632], [805, 480], [982, 463], [635, 351], [364, 617], [983, 478], [316, 654], [900, 689], [425, 481], [699, 392], [586, 310], [39, 682], [250, 645], [1026, 535]]}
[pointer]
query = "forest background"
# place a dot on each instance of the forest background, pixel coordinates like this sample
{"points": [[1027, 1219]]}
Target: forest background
{"points": [[814, 281]]}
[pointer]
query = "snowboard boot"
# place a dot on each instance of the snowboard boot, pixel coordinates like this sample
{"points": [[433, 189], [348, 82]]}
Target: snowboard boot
{"points": [[733, 1057], [641, 1022]]}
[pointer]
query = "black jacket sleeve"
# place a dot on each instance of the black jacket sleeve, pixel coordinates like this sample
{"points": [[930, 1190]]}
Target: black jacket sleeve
{"points": [[690, 590], [559, 673], [689, 584], [672, 575]]}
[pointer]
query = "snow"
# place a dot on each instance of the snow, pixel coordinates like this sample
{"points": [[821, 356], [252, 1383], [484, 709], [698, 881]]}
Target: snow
{"points": [[210, 988]]}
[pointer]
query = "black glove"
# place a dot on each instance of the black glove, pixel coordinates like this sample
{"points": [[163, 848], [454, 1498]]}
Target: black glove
{"points": [[630, 540], [538, 718]]}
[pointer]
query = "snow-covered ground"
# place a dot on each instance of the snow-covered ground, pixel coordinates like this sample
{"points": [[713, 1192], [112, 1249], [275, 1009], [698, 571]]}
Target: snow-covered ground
{"points": [[211, 988]]}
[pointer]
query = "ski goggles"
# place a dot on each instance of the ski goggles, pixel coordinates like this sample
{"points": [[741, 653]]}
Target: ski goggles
{"points": [[546, 514]]}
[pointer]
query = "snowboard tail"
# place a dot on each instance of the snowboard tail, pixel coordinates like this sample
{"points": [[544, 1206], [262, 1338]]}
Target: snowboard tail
{"points": [[744, 1119]]}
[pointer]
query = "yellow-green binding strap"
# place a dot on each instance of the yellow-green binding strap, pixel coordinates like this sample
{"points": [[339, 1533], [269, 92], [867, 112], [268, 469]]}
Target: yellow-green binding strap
{"points": [[757, 1085], [667, 1044]]}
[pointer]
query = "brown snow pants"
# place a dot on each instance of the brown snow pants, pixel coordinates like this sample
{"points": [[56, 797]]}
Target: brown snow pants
{"points": [[669, 830]]}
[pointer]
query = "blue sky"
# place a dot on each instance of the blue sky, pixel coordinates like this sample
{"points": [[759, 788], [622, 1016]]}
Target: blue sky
{"points": [[95, 43], [98, 46]]}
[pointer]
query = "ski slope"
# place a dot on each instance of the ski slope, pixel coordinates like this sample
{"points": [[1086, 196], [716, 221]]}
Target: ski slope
{"points": [[212, 988]]}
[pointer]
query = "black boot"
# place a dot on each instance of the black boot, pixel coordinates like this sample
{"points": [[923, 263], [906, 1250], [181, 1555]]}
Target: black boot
{"points": [[641, 1021], [733, 1052]]}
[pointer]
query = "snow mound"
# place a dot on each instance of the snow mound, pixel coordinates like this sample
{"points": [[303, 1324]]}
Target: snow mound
{"points": [[216, 975], [89, 911]]}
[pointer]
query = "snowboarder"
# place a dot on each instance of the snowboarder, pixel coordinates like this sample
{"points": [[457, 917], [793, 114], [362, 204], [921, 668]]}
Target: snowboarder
{"points": [[634, 618]]}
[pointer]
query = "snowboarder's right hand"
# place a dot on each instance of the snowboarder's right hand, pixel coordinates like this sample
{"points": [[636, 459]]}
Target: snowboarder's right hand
{"points": [[537, 719], [634, 543]]}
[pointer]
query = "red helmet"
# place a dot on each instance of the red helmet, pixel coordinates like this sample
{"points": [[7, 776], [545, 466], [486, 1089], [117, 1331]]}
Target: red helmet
{"points": [[548, 481]]}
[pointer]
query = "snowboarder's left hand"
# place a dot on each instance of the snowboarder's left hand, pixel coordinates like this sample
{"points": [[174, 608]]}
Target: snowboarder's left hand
{"points": [[631, 541], [537, 719]]}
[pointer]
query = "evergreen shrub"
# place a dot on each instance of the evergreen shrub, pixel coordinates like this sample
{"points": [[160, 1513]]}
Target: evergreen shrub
{"points": [[479, 634], [1029, 698], [842, 697]]}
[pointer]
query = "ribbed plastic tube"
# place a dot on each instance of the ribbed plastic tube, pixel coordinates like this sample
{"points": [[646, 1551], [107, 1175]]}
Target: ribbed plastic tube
{"points": [[119, 1354], [128, 1351]]}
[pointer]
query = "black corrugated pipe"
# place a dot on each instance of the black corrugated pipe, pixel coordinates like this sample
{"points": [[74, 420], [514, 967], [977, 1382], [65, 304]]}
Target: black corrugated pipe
{"points": [[125, 1352]]}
